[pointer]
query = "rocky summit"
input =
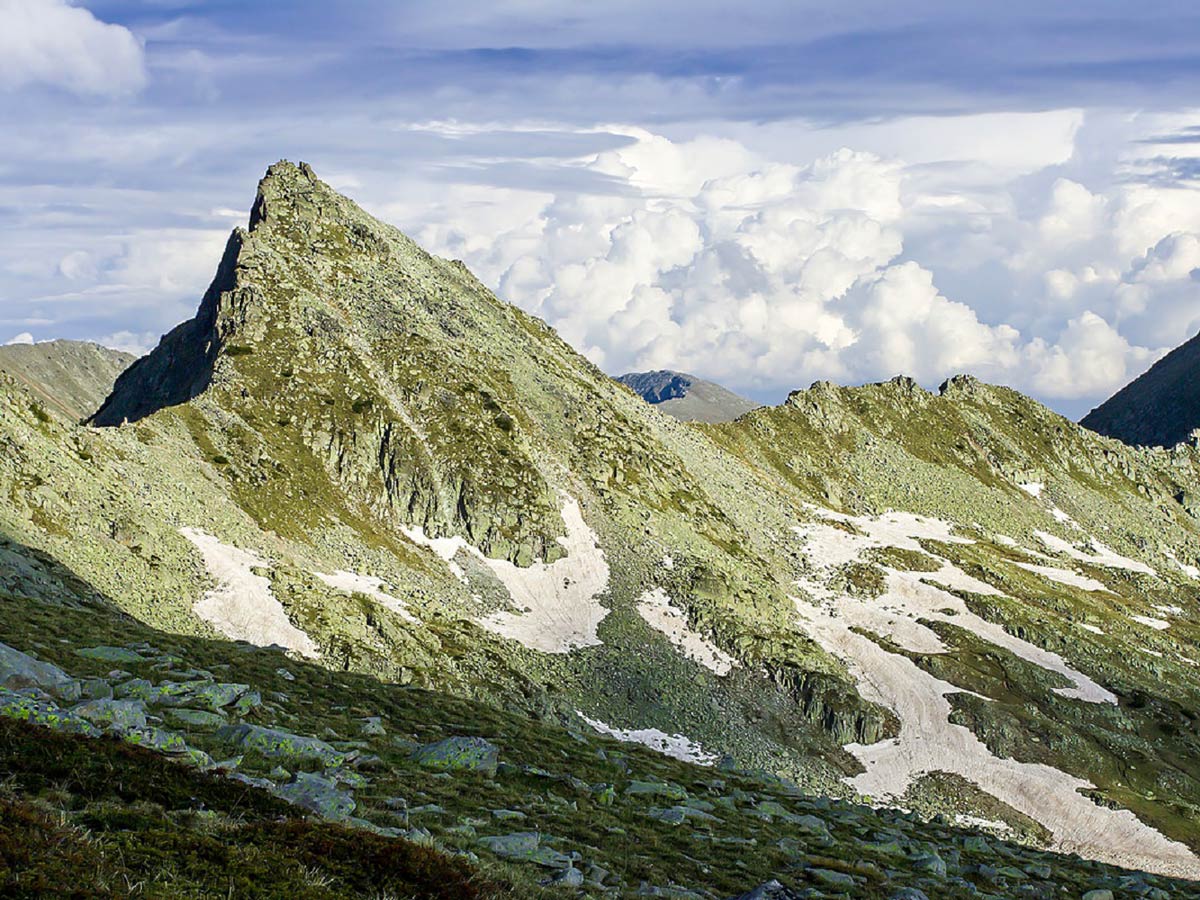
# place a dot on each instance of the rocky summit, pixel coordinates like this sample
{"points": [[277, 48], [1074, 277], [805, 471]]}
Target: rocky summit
{"points": [[364, 583]]}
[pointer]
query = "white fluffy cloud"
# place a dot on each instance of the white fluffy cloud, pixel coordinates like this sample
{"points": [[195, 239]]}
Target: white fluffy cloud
{"points": [[53, 42], [716, 259], [23, 338]]}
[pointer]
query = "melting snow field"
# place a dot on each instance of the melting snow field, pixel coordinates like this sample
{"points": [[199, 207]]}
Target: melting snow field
{"points": [[655, 607], [557, 609], [1104, 556], [677, 745], [928, 742], [368, 585], [1064, 576], [242, 606]]}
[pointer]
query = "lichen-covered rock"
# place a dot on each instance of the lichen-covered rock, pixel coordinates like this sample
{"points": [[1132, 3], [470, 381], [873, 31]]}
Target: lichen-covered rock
{"points": [[113, 715], [466, 754], [20, 670], [111, 654], [25, 708], [274, 743], [159, 739], [317, 794], [195, 718], [525, 846]]}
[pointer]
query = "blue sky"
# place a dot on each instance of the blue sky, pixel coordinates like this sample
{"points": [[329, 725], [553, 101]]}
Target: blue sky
{"points": [[765, 193]]}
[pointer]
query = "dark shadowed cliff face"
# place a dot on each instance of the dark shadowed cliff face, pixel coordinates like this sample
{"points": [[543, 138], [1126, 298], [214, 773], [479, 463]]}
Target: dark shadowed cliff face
{"points": [[686, 397], [1159, 409]]}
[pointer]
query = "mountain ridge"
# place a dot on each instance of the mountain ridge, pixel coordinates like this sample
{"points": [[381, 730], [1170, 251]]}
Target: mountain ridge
{"points": [[356, 448], [70, 376], [1161, 407]]}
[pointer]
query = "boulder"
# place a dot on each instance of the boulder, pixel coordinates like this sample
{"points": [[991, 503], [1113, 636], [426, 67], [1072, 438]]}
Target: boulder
{"points": [[113, 715], [20, 670], [43, 712], [195, 718], [274, 743], [158, 739], [111, 654], [770, 890], [317, 794], [525, 846], [467, 754]]}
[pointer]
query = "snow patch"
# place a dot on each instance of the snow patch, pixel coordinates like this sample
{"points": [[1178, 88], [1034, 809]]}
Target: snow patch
{"points": [[1156, 624], [1033, 488], [556, 610], [1188, 570], [1064, 576], [1089, 627], [675, 745], [655, 607], [981, 824], [1102, 556], [668, 562], [368, 585], [242, 606]]}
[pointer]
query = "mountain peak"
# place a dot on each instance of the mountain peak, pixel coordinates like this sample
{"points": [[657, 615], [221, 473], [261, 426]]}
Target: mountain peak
{"points": [[686, 397], [1160, 408]]}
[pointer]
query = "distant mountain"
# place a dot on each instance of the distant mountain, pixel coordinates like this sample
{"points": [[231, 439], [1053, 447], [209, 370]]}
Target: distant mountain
{"points": [[1159, 409], [74, 377], [686, 397]]}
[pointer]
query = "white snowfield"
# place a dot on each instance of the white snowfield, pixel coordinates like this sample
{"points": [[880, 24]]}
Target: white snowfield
{"points": [[1103, 555], [928, 742], [1189, 570], [368, 585], [556, 605], [655, 607], [242, 606], [1156, 624], [1064, 576], [676, 745]]}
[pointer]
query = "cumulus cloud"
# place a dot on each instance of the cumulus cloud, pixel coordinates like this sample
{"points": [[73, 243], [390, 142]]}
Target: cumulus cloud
{"points": [[52, 42], [23, 338], [766, 275]]}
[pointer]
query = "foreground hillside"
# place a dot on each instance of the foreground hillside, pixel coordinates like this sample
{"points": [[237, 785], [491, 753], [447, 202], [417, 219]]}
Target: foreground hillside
{"points": [[153, 765], [960, 604]]}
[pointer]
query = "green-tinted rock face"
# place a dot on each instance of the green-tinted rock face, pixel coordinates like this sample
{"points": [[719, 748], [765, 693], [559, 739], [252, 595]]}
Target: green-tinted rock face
{"points": [[118, 715], [111, 654], [24, 708], [466, 754], [317, 795], [276, 744]]}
